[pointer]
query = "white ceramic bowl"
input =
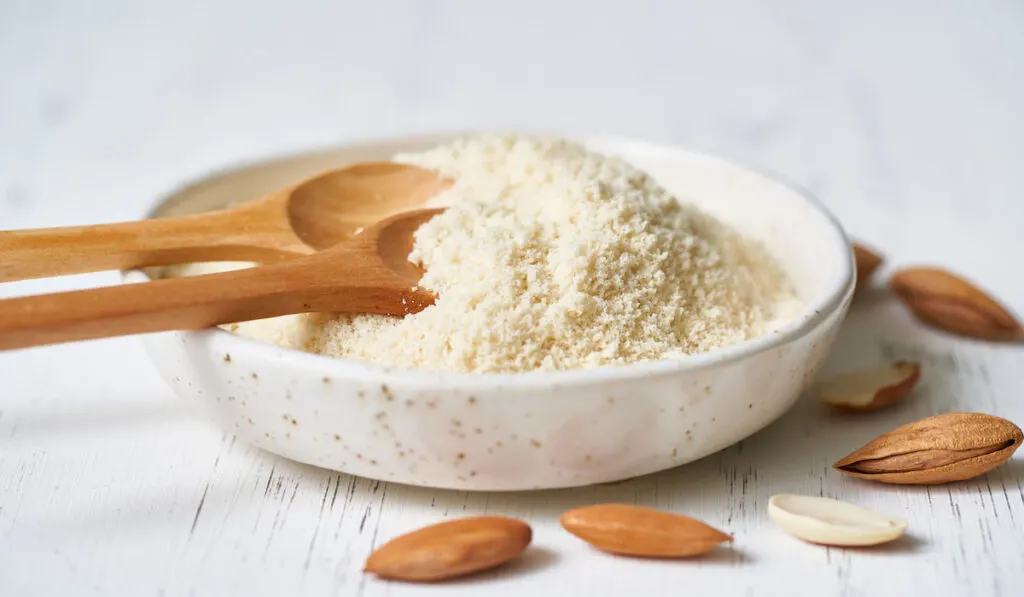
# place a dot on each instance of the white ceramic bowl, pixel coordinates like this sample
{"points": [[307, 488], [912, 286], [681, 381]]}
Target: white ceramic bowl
{"points": [[533, 430]]}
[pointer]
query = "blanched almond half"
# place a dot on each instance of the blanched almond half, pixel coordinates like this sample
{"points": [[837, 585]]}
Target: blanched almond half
{"points": [[831, 522], [869, 390]]}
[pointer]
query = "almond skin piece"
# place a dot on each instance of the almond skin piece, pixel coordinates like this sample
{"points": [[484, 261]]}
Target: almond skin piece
{"points": [[867, 262], [645, 532], [946, 301], [450, 549], [870, 390], [939, 449]]}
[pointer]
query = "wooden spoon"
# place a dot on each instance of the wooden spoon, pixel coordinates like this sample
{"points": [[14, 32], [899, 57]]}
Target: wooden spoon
{"points": [[368, 273], [313, 215]]}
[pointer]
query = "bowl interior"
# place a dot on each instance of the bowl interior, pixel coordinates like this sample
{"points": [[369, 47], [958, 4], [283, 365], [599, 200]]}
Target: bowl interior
{"points": [[806, 241]]}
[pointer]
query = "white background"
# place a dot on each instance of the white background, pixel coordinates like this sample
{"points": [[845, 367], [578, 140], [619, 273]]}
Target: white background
{"points": [[905, 118]]}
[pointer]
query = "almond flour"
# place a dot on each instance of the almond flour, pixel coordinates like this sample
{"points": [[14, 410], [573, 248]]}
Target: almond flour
{"points": [[552, 257]]}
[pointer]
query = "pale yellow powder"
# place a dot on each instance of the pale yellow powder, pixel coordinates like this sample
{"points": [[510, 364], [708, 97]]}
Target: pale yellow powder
{"points": [[552, 257]]}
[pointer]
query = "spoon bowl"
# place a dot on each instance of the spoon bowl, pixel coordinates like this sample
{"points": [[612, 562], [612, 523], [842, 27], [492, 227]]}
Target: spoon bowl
{"points": [[325, 210]]}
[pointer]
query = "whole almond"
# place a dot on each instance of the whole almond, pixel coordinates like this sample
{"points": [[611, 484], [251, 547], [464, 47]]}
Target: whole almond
{"points": [[948, 302], [869, 390], [637, 531], [450, 549], [939, 449], [867, 262]]}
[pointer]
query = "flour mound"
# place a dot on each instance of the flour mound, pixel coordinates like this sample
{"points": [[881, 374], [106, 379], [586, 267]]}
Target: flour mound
{"points": [[552, 257]]}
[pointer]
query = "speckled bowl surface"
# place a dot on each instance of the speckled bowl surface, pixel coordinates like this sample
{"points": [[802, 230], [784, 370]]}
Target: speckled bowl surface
{"points": [[533, 430]]}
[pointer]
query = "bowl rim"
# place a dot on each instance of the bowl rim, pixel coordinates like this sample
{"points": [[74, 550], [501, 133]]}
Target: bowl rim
{"points": [[812, 315]]}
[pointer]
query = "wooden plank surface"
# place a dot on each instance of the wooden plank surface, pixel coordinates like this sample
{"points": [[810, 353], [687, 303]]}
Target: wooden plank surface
{"points": [[905, 119]]}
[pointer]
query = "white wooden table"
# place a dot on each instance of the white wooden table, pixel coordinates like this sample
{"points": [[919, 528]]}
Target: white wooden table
{"points": [[903, 117]]}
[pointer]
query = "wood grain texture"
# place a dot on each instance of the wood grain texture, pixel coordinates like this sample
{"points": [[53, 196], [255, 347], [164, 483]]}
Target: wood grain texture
{"points": [[111, 487]]}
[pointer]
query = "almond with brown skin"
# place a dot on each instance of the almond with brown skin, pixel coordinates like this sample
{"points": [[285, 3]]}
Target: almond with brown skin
{"points": [[946, 301], [939, 449], [450, 549], [867, 262], [637, 531], [869, 390]]}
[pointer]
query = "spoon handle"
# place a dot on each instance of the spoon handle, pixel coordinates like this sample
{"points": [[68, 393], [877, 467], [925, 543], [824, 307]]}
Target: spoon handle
{"points": [[226, 235], [183, 304]]}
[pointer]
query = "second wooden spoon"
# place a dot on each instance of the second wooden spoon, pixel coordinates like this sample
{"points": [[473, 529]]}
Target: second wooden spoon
{"points": [[368, 273]]}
